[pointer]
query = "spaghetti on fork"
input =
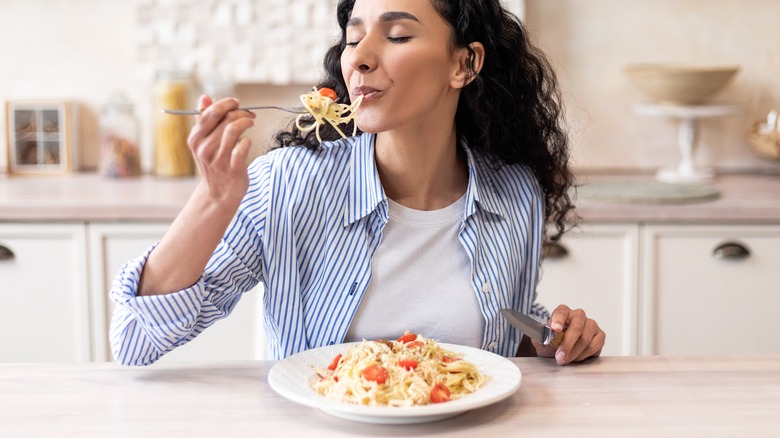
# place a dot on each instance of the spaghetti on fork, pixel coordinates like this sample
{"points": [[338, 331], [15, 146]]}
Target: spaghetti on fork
{"points": [[322, 106]]}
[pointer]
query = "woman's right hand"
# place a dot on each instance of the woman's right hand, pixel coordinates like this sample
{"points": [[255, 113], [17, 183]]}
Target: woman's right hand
{"points": [[220, 150]]}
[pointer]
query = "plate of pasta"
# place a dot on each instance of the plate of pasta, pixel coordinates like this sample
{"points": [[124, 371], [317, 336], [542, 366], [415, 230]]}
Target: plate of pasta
{"points": [[413, 379]]}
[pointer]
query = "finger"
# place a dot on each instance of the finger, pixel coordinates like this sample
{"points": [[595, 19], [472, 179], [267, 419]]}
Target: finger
{"points": [[230, 137], [200, 130], [239, 155], [204, 102], [208, 148], [594, 348], [589, 330], [559, 317], [592, 341], [211, 117], [575, 324]]}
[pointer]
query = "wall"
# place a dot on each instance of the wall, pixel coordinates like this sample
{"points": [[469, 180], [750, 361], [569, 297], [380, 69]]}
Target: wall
{"points": [[55, 50], [58, 50], [591, 41], [83, 51]]}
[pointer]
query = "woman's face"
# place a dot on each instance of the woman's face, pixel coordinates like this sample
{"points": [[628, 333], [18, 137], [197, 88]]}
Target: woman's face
{"points": [[399, 57]]}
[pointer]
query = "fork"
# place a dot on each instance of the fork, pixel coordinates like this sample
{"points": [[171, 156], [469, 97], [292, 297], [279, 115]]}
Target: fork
{"points": [[294, 110]]}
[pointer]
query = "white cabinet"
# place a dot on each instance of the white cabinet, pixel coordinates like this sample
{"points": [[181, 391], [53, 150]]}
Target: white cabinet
{"points": [[672, 289], [654, 289], [54, 281], [43, 283], [594, 267], [240, 336], [702, 294]]}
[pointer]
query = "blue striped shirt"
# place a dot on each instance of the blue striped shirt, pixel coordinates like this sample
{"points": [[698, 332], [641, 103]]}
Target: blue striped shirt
{"points": [[307, 229]]}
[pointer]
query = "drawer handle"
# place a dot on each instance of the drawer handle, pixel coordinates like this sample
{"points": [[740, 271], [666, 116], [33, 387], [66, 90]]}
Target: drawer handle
{"points": [[731, 251], [554, 250], [6, 253]]}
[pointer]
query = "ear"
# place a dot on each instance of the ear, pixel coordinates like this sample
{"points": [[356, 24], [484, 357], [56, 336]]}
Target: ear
{"points": [[468, 64]]}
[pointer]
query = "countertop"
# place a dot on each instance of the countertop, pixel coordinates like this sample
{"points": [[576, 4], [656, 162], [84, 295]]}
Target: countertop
{"points": [[88, 197], [639, 396]]}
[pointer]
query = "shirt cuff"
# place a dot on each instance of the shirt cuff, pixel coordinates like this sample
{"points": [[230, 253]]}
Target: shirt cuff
{"points": [[165, 319]]}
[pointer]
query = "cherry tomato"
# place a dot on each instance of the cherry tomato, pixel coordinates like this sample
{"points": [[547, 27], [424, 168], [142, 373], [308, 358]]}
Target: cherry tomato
{"points": [[409, 364], [334, 363], [447, 359], [327, 92], [414, 344], [375, 373], [440, 393], [407, 337]]}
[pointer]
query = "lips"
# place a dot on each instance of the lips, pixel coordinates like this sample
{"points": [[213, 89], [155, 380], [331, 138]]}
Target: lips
{"points": [[368, 93]]}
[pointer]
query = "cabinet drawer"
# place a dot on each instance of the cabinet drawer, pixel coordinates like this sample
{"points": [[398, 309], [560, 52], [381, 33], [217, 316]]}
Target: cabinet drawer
{"points": [[705, 295], [43, 281]]}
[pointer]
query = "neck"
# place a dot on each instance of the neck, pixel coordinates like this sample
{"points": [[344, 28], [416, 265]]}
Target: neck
{"points": [[421, 168]]}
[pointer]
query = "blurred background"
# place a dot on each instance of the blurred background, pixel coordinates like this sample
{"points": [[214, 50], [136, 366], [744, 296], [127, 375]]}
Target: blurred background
{"points": [[269, 51]]}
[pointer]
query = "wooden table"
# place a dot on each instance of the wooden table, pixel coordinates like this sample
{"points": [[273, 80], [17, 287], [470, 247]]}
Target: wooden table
{"points": [[608, 397]]}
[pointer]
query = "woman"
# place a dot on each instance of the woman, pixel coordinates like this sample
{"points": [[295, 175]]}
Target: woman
{"points": [[430, 220]]}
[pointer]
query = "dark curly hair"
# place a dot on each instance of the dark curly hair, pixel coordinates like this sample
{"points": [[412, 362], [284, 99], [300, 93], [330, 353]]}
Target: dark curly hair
{"points": [[512, 112]]}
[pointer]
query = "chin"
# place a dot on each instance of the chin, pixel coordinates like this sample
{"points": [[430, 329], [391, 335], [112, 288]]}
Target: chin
{"points": [[370, 124]]}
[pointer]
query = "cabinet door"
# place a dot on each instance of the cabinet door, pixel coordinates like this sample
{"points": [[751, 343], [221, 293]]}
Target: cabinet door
{"points": [[240, 336], [699, 300], [594, 268], [43, 282]]}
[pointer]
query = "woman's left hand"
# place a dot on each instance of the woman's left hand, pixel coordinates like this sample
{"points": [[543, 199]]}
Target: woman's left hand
{"points": [[583, 339]]}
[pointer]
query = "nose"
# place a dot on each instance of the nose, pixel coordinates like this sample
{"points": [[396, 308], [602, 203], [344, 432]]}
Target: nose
{"points": [[364, 57]]}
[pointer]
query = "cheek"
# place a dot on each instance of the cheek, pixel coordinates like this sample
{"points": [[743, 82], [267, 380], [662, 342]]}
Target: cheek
{"points": [[423, 69]]}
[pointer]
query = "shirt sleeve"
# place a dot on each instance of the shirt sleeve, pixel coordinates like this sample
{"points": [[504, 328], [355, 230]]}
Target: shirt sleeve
{"points": [[143, 328]]}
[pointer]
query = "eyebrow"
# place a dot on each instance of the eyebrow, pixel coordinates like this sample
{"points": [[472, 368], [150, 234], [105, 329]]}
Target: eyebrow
{"points": [[386, 17]]}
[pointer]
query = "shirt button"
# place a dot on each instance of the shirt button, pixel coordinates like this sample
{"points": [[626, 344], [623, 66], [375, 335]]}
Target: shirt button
{"points": [[486, 288]]}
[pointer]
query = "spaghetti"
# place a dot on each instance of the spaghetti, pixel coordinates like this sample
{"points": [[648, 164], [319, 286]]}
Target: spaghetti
{"points": [[413, 370], [321, 105]]}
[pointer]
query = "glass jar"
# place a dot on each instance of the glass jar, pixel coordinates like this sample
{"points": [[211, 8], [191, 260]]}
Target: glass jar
{"points": [[120, 156], [172, 157]]}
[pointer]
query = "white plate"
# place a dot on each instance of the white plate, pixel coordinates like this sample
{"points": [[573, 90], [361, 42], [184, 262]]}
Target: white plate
{"points": [[291, 378]]}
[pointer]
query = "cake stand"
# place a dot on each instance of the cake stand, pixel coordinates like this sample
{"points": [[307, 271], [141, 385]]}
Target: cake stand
{"points": [[687, 116]]}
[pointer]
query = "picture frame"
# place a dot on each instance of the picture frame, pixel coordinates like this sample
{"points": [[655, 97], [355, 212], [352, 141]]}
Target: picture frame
{"points": [[40, 137]]}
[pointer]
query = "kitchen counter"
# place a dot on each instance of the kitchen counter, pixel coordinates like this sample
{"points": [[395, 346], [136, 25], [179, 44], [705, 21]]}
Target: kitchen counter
{"points": [[89, 196], [85, 197], [648, 396], [744, 198]]}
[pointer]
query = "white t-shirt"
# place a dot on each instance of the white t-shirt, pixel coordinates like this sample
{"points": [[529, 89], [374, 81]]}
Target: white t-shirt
{"points": [[421, 280]]}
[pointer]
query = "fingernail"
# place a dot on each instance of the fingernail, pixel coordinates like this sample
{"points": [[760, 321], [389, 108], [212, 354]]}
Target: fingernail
{"points": [[238, 102], [557, 326], [560, 357]]}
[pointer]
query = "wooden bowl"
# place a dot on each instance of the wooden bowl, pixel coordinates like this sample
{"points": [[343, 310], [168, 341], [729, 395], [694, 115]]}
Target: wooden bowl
{"points": [[680, 84]]}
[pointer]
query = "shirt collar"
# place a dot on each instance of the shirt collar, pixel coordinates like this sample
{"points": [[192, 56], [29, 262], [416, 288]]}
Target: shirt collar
{"points": [[365, 188], [366, 191]]}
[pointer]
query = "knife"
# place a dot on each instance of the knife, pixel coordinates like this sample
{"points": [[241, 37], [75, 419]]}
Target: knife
{"points": [[533, 328]]}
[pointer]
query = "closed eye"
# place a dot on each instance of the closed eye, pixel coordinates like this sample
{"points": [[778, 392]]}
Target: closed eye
{"points": [[401, 39]]}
